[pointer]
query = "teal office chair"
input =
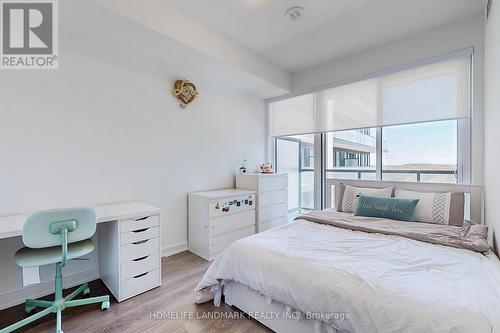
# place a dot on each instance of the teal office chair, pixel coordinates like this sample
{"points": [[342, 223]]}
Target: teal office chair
{"points": [[54, 237]]}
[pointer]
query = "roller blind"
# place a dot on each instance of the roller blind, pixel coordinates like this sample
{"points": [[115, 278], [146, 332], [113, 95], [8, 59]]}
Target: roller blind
{"points": [[432, 92], [350, 106], [293, 116]]}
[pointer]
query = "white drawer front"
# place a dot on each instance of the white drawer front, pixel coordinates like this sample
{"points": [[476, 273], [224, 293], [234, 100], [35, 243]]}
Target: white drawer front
{"points": [[140, 284], [271, 198], [219, 243], [271, 224], [139, 235], [272, 212], [139, 249], [225, 224], [273, 183], [139, 266], [145, 222]]}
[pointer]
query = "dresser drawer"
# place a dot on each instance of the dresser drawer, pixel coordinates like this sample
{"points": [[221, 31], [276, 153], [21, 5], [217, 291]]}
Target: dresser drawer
{"points": [[271, 198], [225, 224], [219, 243], [137, 224], [272, 223], [139, 235], [139, 266], [140, 284], [272, 183], [272, 212], [139, 249], [233, 205]]}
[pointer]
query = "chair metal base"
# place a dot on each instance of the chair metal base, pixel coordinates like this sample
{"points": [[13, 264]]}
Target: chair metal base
{"points": [[58, 305]]}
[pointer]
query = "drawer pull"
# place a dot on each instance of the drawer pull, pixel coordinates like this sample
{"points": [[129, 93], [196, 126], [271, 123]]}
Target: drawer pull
{"points": [[139, 259], [140, 230], [142, 218], [140, 275], [140, 242]]}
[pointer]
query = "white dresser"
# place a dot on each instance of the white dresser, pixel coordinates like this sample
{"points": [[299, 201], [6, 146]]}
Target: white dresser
{"points": [[129, 253], [218, 218], [271, 196]]}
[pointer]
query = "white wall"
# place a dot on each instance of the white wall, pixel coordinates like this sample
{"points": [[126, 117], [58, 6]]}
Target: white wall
{"points": [[464, 34], [492, 122], [105, 128]]}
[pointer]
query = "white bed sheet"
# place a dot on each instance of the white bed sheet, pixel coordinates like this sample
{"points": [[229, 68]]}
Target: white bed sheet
{"points": [[385, 283]]}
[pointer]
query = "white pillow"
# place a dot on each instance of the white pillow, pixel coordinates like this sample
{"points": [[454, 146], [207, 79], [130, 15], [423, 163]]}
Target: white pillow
{"points": [[352, 193], [433, 207]]}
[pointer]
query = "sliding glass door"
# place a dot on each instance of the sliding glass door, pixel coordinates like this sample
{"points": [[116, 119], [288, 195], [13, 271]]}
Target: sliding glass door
{"points": [[295, 156], [287, 161]]}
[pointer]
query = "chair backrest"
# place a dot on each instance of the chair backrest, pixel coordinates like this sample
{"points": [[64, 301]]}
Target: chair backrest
{"points": [[41, 228]]}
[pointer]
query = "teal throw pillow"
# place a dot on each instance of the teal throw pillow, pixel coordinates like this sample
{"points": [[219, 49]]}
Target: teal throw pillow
{"points": [[389, 208]]}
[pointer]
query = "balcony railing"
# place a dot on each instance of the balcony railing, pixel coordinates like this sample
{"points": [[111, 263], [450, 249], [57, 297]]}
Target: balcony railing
{"points": [[417, 172], [360, 172]]}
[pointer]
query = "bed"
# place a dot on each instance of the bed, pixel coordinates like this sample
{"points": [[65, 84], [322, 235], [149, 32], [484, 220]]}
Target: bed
{"points": [[310, 276]]}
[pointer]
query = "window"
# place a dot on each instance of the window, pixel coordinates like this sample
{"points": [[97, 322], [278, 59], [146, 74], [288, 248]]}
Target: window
{"points": [[408, 125], [352, 154], [425, 152]]}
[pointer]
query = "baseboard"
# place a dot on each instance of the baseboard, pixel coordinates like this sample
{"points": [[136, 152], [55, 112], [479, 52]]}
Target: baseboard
{"points": [[174, 249], [45, 288]]}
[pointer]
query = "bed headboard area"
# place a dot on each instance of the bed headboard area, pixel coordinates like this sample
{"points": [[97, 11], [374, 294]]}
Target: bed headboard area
{"points": [[473, 209]]}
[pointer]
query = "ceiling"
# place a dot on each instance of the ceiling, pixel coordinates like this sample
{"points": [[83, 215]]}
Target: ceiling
{"points": [[330, 29]]}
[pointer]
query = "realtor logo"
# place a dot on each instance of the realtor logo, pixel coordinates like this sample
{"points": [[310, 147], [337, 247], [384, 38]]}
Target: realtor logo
{"points": [[29, 34]]}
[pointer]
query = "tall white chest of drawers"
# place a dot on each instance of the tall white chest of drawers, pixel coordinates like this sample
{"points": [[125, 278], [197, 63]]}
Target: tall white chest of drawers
{"points": [[218, 218], [271, 198]]}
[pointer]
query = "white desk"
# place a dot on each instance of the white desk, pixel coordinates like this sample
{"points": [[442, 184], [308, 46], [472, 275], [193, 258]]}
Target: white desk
{"points": [[129, 245]]}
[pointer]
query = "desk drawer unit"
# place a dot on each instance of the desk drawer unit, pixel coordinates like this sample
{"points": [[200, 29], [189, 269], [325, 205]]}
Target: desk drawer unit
{"points": [[130, 256], [135, 267], [139, 249], [138, 224], [140, 283], [272, 198], [139, 235]]}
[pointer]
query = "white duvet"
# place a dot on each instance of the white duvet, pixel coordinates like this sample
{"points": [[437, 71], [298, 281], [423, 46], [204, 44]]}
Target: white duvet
{"points": [[385, 283]]}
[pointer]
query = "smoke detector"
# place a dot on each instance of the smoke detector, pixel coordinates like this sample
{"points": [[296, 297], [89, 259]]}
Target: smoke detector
{"points": [[294, 13]]}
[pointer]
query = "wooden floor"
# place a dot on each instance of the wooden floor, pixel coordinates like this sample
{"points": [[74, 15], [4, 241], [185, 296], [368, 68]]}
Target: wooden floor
{"points": [[164, 309]]}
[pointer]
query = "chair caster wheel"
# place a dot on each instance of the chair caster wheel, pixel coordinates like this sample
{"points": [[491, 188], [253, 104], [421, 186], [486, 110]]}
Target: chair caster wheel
{"points": [[60, 331], [105, 306], [86, 292], [28, 308]]}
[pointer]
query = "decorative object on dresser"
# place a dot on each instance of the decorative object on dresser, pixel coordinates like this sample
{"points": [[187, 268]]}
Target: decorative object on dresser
{"points": [[266, 168], [218, 218], [271, 196], [243, 168]]}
